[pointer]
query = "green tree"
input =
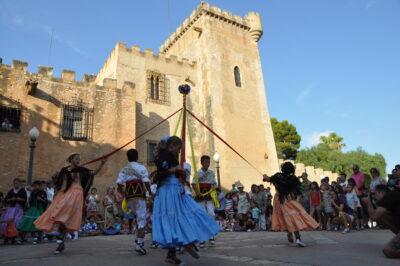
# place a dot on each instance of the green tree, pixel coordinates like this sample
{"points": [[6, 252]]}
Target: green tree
{"points": [[333, 140], [330, 158], [287, 140]]}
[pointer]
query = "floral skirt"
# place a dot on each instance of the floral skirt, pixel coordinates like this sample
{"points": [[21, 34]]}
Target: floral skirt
{"points": [[65, 209], [290, 216], [177, 219]]}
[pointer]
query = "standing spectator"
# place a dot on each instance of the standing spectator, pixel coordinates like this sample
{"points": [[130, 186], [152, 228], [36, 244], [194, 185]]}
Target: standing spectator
{"points": [[110, 210], [376, 180], [243, 200], [15, 201], [229, 211], [221, 197], [260, 201], [49, 190], [358, 177], [342, 180], [255, 215], [118, 198], [253, 191], [92, 203], [353, 201], [328, 209], [305, 191], [315, 202]]}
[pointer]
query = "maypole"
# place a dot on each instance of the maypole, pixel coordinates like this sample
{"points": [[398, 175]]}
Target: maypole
{"points": [[184, 90]]}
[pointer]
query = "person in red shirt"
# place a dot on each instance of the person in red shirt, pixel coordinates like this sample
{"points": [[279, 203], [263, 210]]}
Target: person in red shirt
{"points": [[315, 201]]}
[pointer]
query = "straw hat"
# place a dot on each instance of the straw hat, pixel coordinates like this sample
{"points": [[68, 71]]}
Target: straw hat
{"points": [[238, 184]]}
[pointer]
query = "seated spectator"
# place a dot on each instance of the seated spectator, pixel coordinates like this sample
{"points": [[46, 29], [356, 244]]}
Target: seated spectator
{"points": [[6, 125], [90, 228], [387, 213]]}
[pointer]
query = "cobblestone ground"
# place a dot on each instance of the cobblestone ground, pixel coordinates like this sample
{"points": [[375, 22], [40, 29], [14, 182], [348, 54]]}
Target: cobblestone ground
{"points": [[253, 248]]}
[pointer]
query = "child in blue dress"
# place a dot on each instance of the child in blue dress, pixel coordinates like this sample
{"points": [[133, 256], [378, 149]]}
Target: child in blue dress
{"points": [[177, 219]]}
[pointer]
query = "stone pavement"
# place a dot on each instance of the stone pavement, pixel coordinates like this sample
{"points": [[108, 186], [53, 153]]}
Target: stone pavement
{"points": [[253, 248]]}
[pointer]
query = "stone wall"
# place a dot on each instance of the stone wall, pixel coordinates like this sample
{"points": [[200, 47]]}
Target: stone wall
{"points": [[113, 121]]}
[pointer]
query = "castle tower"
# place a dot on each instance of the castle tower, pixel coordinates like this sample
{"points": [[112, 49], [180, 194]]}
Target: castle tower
{"points": [[231, 89]]}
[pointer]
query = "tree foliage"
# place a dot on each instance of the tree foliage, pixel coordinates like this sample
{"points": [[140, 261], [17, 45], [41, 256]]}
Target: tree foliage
{"points": [[328, 158], [333, 140], [287, 140]]}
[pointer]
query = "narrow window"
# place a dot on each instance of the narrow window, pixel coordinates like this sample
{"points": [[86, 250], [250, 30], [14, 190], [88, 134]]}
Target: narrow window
{"points": [[236, 73]]}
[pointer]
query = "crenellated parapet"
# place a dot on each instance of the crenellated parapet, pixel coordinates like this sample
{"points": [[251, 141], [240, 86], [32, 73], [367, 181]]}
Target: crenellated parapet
{"points": [[67, 78], [251, 23]]}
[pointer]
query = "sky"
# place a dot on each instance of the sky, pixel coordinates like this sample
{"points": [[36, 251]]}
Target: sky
{"points": [[329, 66]]}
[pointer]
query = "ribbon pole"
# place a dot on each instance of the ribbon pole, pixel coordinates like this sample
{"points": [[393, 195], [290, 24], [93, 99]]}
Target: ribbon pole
{"points": [[141, 135]]}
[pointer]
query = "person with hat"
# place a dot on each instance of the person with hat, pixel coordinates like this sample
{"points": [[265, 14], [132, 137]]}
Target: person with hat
{"points": [[64, 214]]}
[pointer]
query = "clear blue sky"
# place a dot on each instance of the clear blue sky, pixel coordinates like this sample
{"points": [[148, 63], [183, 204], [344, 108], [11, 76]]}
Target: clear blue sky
{"points": [[328, 65]]}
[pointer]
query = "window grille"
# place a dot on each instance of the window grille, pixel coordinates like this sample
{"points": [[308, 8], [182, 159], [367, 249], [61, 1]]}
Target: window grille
{"points": [[157, 88], [236, 73], [10, 119], [77, 122]]}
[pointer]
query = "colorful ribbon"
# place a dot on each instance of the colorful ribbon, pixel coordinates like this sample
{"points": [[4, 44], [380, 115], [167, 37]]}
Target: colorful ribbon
{"points": [[141, 135]]}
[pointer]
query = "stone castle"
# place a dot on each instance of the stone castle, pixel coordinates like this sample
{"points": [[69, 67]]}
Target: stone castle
{"points": [[213, 51]]}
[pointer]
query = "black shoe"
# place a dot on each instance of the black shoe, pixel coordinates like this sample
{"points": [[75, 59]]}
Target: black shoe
{"points": [[172, 259], [290, 237], [139, 248], [60, 248], [192, 250]]}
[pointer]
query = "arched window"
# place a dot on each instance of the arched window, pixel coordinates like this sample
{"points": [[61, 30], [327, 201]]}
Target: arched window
{"points": [[236, 73]]}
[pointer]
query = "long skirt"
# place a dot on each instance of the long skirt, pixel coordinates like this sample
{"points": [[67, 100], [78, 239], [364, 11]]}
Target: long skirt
{"points": [[290, 216], [27, 222], [13, 214], [66, 209], [177, 219]]}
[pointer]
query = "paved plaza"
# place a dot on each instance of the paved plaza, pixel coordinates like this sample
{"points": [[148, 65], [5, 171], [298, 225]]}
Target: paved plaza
{"points": [[253, 248]]}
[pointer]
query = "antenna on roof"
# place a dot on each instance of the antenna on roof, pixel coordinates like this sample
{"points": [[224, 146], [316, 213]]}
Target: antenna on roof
{"points": [[50, 46]]}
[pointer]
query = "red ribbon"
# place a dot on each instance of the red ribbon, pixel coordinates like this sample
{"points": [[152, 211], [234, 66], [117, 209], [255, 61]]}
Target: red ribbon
{"points": [[226, 143], [141, 135]]}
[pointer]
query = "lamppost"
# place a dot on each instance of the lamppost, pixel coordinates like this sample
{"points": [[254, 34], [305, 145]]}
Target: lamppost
{"points": [[33, 135], [216, 159]]}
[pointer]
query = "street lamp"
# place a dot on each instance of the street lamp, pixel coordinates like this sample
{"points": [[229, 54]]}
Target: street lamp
{"points": [[33, 135], [216, 159]]}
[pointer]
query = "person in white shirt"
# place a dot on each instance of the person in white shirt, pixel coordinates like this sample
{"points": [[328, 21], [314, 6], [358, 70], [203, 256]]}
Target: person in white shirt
{"points": [[49, 190], [207, 182], [135, 177]]}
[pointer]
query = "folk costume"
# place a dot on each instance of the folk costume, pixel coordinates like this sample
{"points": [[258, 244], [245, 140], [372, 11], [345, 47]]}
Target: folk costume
{"points": [[37, 205], [288, 214], [15, 202], [206, 183], [135, 176], [66, 210], [177, 219]]}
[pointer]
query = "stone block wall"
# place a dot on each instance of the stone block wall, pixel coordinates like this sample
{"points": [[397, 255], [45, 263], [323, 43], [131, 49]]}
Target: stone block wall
{"points": [[113, 112]]}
